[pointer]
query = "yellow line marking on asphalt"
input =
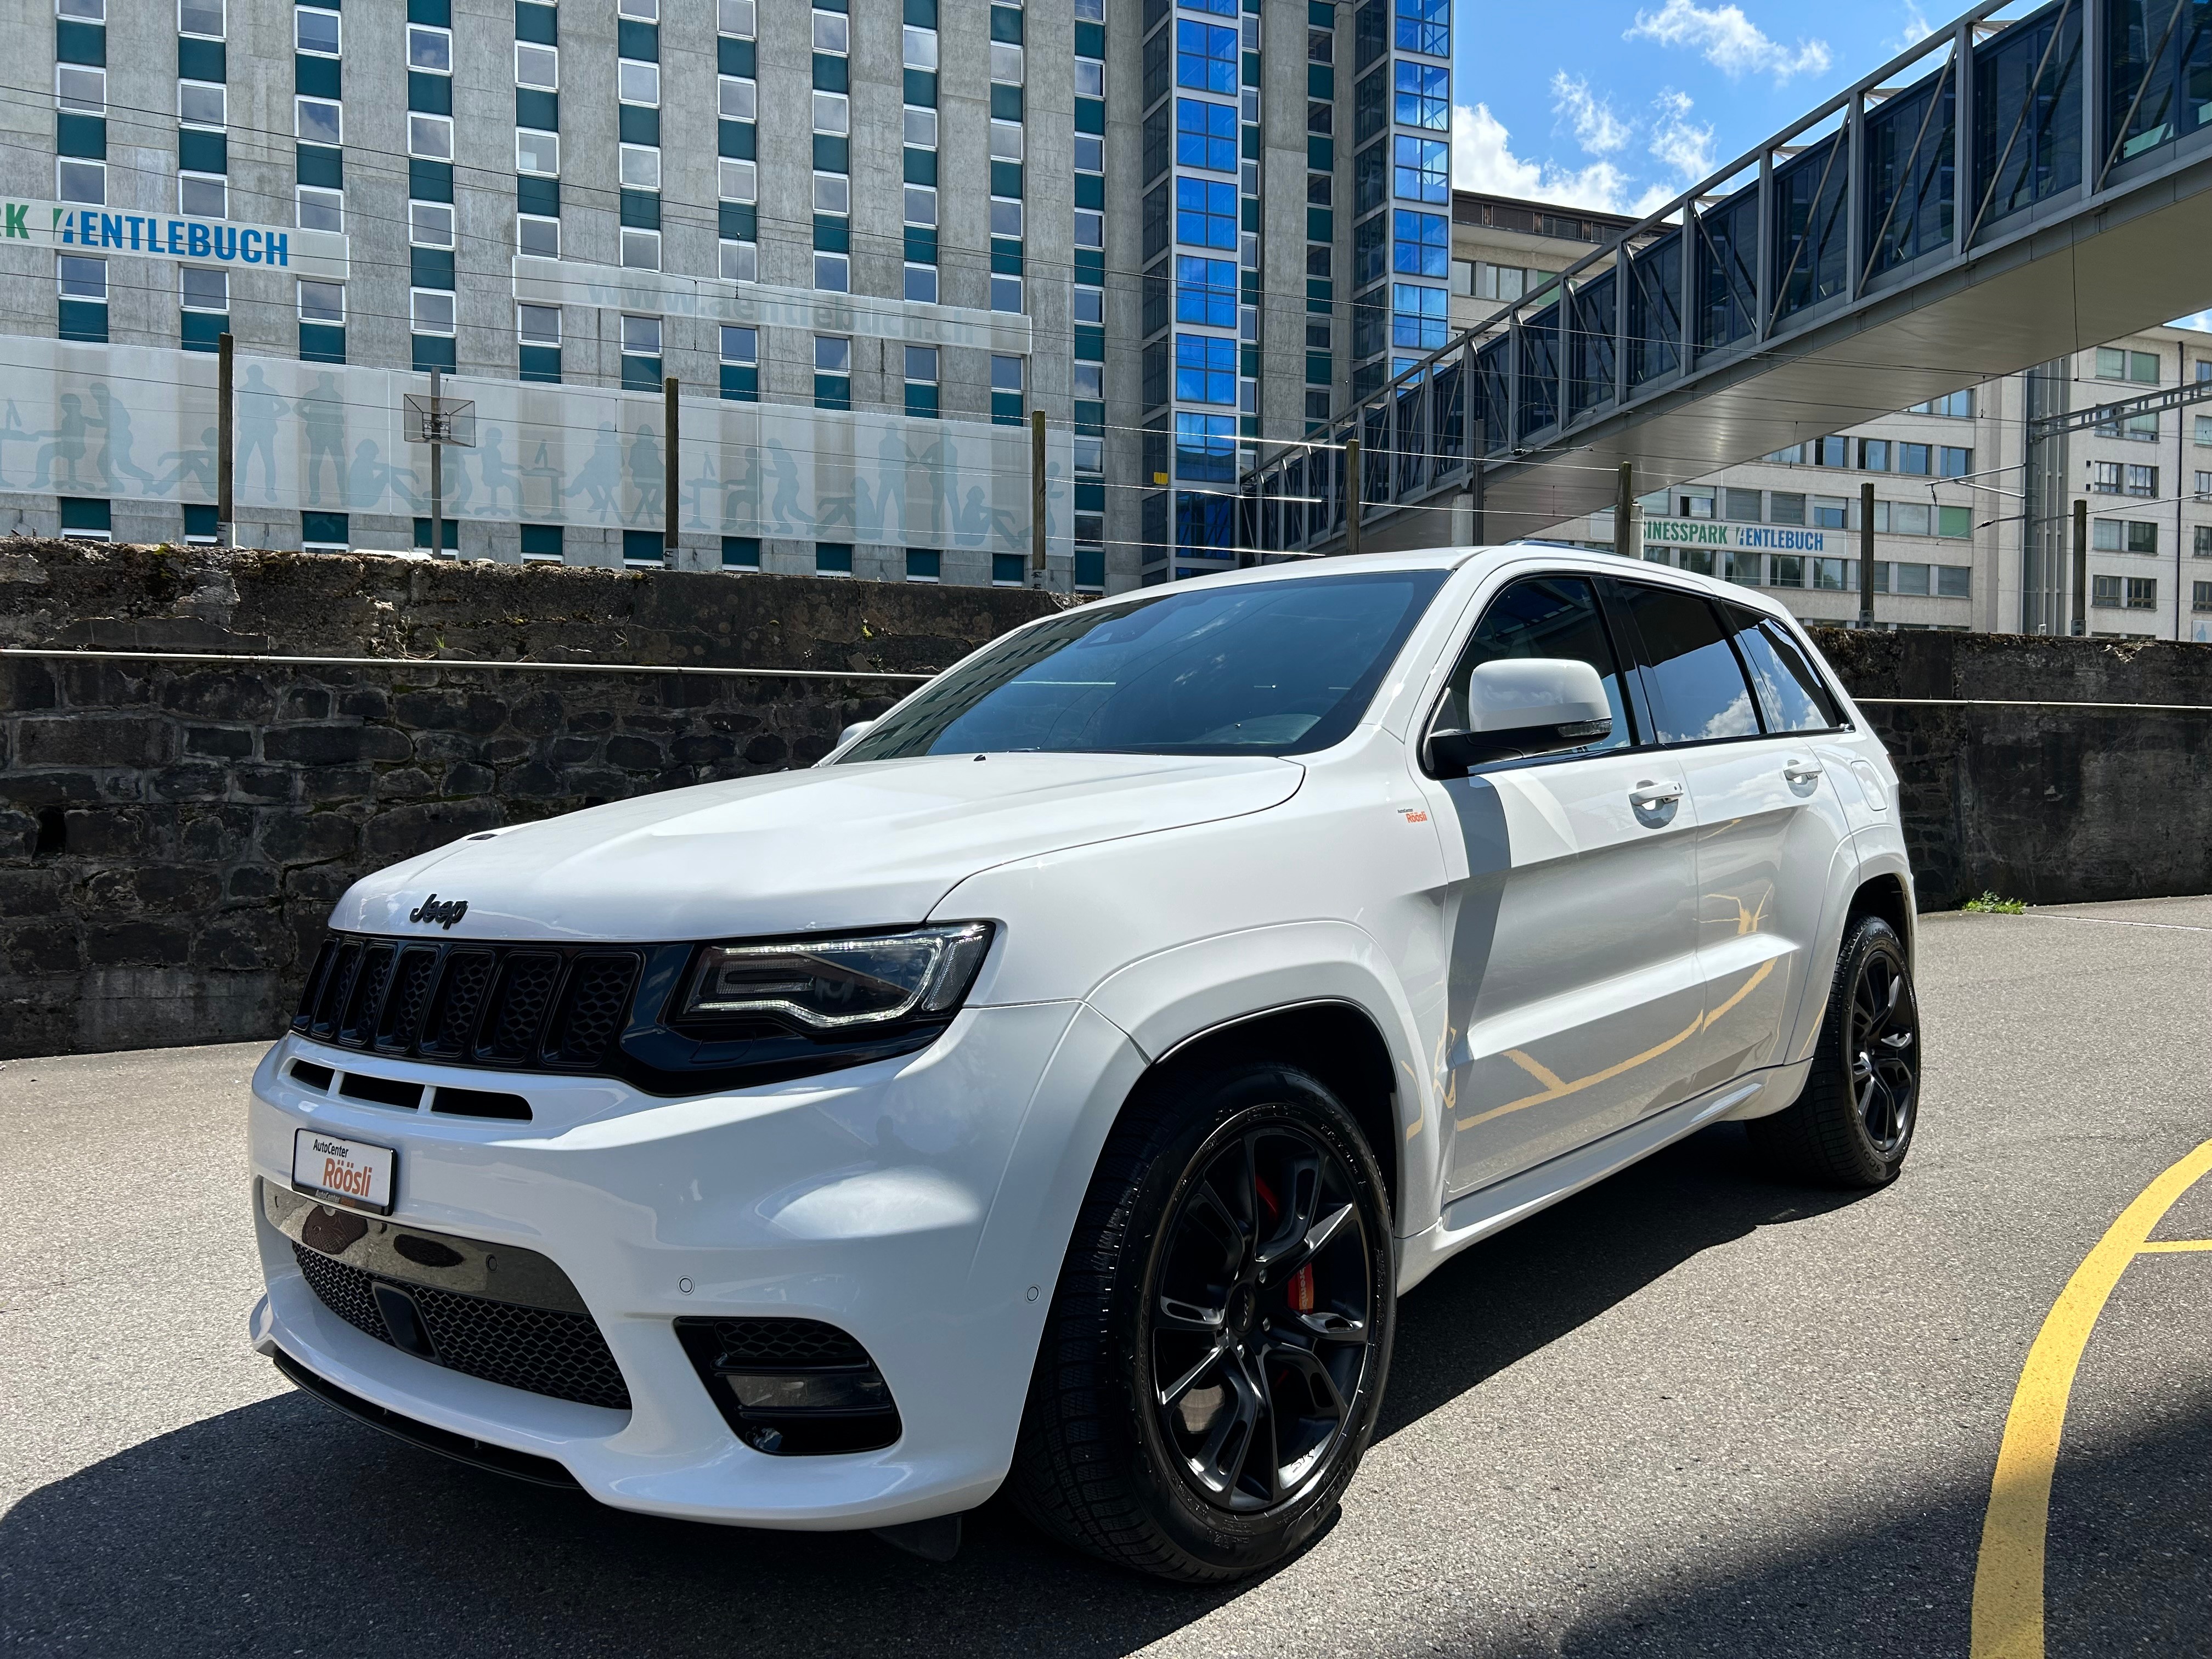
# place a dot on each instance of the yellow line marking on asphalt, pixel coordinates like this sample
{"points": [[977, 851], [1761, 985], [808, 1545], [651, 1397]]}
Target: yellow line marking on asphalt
{"points": [[2169, 1246], [2007, 1615]]}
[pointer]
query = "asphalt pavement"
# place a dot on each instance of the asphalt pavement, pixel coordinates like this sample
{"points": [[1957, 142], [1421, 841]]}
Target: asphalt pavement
{"points": [[1689, 1412]]}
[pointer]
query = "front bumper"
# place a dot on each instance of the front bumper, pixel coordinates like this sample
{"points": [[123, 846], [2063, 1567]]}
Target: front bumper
{"points": [[919, 1204]]}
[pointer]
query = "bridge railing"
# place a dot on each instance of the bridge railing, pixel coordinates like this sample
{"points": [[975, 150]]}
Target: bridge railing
{"points": [[2039, 113]]}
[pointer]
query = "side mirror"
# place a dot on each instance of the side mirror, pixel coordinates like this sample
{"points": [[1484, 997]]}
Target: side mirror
{"points": [[856, 729], [1518, 706]]}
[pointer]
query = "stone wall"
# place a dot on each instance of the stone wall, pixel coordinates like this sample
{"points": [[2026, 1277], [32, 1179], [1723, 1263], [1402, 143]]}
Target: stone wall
{"points": [[2055, 804], [172, 834]]}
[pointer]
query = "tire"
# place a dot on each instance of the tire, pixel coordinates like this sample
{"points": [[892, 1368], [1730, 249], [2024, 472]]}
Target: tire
{"points": [[1175, 1285], [1853, 1125]]}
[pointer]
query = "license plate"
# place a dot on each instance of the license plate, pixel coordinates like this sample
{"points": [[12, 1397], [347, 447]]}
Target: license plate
{"points": [[353, 1173]]}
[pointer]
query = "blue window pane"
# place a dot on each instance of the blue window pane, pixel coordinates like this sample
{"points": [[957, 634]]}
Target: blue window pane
{"points": [[1205, 523], [1205, 291], [1205, 213], [1423, 170], [1424, 95], [1425, 25], [1423, 244], [1417, 320], [1205, 57], [1219, 8], [1205, 448], [1205, 369], [1205, 135]]}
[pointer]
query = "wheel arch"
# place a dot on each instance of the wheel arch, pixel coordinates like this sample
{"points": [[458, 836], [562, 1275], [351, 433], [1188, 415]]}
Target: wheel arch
{"points": [[1333, 1039], [1885, 894]]}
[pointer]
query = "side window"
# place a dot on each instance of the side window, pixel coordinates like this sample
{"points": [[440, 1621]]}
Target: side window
{"points": [[1698, 689], [1791, 695], [1541, 617]]}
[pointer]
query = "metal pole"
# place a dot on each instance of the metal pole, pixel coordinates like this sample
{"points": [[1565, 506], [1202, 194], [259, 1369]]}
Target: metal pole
{"points": [[2081, 583], [1354, 487], [436, 434], [1866, 555], [668, 424], [225, 536], [1036, 498], [1479, 520], [1624, 513]]}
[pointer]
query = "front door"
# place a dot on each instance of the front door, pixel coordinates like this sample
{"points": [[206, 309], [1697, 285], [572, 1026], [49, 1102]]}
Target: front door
{"points": [[1571, 907], [1763, 767]]}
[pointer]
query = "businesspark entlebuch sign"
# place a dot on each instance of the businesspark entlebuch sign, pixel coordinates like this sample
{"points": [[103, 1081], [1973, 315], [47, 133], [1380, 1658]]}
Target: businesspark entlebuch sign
{"points": [[1707, 532]]}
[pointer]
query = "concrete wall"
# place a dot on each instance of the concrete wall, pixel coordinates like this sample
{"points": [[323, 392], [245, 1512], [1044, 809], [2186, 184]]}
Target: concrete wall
{"points": [[2052, 804], [172, 835]]}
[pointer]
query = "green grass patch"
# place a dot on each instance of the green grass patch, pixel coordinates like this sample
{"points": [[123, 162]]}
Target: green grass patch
{"points": [[1990, 905]]}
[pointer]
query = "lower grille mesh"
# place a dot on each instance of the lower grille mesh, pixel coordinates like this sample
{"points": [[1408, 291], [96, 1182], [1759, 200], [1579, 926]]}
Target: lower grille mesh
{"points": [[541, 1350]]}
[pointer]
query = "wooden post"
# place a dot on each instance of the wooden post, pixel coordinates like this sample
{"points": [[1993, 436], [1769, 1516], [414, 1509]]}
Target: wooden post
{"points": [[668, 486], [1036, 498], [436, 434], [1866, 555], [225, 410], [2081, 565], [1353, 487]]}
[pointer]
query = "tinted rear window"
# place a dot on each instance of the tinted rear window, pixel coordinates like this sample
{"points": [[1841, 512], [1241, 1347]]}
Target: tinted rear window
{"points": [[1698, 691]]}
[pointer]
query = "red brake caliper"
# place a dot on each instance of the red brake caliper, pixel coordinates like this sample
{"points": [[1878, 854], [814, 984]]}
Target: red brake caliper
{"points": [[1301, 1288]]}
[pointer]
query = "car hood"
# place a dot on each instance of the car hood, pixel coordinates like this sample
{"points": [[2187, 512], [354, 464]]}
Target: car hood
{"points": [[874, 844]]}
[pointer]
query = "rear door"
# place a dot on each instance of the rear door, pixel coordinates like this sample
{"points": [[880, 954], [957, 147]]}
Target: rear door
{"points": [[1753, 730], [1570, 904]]}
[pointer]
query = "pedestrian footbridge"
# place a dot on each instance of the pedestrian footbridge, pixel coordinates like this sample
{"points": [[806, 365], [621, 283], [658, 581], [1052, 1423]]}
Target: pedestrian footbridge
{"points": [[2022, 184]]}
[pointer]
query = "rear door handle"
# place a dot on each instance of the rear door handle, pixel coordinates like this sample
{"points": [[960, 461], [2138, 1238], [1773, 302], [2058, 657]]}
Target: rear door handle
{"points": [[1798, 771]]}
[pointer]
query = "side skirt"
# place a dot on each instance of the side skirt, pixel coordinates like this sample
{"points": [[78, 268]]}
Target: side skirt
{"points": [[1491, 1209]]}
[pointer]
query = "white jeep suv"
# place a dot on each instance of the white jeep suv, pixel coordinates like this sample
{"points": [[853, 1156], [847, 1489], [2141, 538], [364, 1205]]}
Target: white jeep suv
{"points": [[1055, 1089]]}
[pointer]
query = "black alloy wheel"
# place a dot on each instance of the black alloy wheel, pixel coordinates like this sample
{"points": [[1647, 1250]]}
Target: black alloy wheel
{"points": [[1853, 1124], [1214, 1359], [1259, 1315]]}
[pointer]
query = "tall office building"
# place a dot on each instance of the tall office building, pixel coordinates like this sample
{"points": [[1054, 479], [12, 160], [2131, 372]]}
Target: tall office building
{"points": [[869, 238]]}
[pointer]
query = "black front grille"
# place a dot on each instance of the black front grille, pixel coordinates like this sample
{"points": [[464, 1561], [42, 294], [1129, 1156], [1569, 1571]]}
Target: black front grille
{"points": [[536, 1007], [542, 1350]]}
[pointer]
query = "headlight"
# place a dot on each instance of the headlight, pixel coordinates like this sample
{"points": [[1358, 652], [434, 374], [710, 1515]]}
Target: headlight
{"points": [[833, 984]]}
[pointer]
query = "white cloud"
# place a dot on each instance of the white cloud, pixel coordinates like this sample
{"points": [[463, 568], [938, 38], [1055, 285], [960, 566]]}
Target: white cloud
{"points": [[1678, 144], [1728, 40], [1483, 160], [1916, 29], [1597, 128]]}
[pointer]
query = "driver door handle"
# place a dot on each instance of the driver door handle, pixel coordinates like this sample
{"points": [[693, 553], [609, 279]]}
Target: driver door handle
{"points": [[1798, 771], [1648, 794]]}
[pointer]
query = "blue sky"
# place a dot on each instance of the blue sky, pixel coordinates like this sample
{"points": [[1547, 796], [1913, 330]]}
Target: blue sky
{"points": [[1620, 104]]}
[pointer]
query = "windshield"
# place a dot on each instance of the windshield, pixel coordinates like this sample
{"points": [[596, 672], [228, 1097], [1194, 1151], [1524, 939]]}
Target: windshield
{"points": [[1267, 668]]}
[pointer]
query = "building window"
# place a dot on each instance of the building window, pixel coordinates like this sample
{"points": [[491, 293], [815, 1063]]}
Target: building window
{"points": [[541, 544], [431, 310], [833, 113], [922, 566], [1953, 462], [317, 121], [739, 261], [537, 153], [737, 181], [1205, 57], [1205, 213], [430, 137], [201, 103], [200, 17], [740, 552], [641, 250], [921, 127], [738, 99], [1008, 570], [637, 82], [1205, 369], [2142, 593], [921, 204], [203, 195], [82, 279], [1007, 294], [921, 385], [320, 210], [1422, 243], [1089, 78], [1205, 291], [430, 224], [1425, 25], [1005, 63], [1419, 320], [921, 49], [538, 325], [2200, 596], [315, 32], [645, 549], [833, 193], [1205, 135], [638, 11], [2104, 592], [2114, 363], [1960, 405], [833, 273], [2124, 535], [80, 89], [537, 237], [1090, 228], [1005, 140], [537, 67], [1423, 169], [1424, 96], [2143, 481], [833, 558], [429, 49], [204, 288], [921, 283], [1006, 216], [322, 302], [2104, 477], [81, 182], [638, 167]]}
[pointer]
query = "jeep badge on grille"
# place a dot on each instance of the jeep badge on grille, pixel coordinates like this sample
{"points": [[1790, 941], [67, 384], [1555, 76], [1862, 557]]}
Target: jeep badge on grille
{"points": [[443, 915]]}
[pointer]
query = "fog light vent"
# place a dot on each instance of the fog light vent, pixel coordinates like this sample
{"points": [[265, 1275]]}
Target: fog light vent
{"points": [[792, 1388]]}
